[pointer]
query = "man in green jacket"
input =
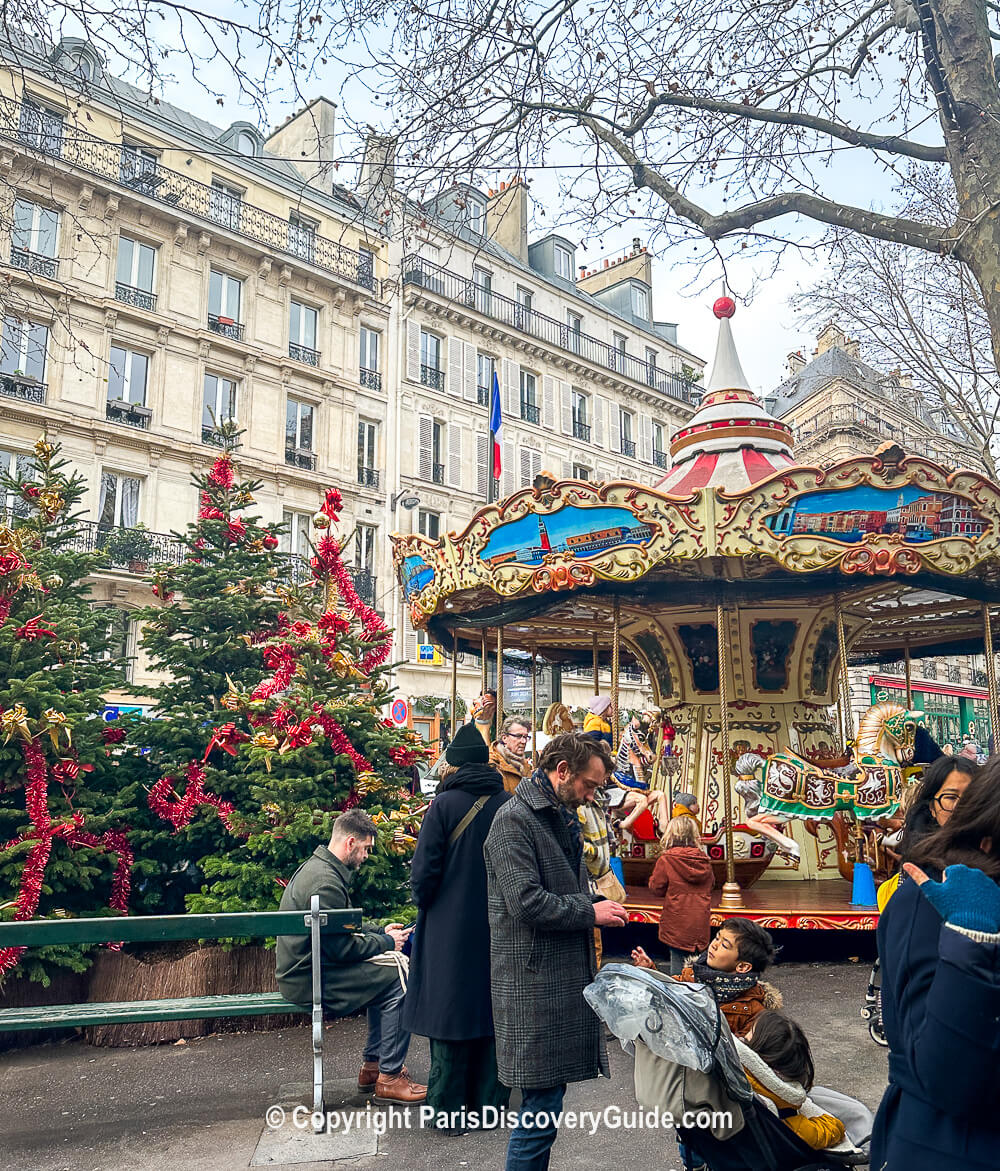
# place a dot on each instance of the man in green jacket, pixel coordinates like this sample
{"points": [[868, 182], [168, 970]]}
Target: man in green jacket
{"points": [[351, 981]]}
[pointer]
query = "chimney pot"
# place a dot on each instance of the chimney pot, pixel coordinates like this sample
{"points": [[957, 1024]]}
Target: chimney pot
{"points": [[606, 264], [636, 243]]}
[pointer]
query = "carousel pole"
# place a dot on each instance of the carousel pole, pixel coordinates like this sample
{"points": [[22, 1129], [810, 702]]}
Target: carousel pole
{"points": [[484, 664], [454, 685], [597, 668], [909, 677], [499, 678], [534, 705], [732, 896], [845, 680], [616, 638], [991, 675]]}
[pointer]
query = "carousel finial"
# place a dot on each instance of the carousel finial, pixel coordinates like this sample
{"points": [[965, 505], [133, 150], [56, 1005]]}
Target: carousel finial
{"points": [[727, 372]]}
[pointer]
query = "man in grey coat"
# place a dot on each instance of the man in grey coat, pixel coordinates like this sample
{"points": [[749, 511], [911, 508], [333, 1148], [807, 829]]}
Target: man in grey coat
{"points": [[542, 920], [350, 980]]}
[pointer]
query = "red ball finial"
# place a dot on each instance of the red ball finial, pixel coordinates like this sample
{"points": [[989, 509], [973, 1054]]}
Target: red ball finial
{"points": [[724, 307]]}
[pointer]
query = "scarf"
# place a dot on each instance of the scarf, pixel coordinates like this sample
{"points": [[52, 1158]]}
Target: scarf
{"points": [[477, 780], [515, 761], [569, 816], [726, 986]]}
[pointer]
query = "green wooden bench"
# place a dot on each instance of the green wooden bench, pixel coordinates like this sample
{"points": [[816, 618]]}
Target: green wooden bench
{"points": [[167, 928]]}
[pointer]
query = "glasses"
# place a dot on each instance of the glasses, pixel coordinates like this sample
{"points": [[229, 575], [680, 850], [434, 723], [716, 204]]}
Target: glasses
{"points": [[948, 801], [517, 735]]}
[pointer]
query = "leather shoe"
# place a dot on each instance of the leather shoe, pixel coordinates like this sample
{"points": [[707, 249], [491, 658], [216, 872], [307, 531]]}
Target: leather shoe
{"points": [[399, 1088], [367, 1077]]}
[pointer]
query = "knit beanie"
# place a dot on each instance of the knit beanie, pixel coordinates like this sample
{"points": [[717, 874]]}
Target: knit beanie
{"points": [[468, 747], [599, 705]]}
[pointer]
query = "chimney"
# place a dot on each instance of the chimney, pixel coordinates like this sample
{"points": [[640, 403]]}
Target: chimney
{"points": [[507, 217], [377, 179], [830, 336], [307, 138], [795, 363]]}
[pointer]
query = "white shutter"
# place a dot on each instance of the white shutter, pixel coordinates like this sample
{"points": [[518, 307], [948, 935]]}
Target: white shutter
{"points": [[566, 407], [548, 402], [525, 463], [409, 640], [413, 351], [614, 427], [536, 465], [426, 447], [508, 474], [484, 465], [511, 389], [567, 470], [598, 416], [454, 374], [454, 455], [646, 439], [470, 374]]}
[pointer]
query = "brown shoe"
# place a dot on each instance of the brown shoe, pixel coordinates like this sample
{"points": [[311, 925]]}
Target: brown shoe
{"points": [[367, 1077], [399, 1088]]}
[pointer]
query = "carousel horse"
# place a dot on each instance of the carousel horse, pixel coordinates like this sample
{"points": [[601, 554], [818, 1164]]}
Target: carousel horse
{"points": [[793, 787]]}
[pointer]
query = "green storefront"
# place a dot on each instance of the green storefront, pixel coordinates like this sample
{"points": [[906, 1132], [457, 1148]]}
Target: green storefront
{"points": [[953, 714]]}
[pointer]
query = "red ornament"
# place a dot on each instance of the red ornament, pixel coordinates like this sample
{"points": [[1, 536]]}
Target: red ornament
{"points": [[31, 630], [724, 307], [270, 541], [222, 473]]}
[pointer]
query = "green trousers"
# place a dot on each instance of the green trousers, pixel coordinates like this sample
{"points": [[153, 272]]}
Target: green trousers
{"points": [[464, 1073]]}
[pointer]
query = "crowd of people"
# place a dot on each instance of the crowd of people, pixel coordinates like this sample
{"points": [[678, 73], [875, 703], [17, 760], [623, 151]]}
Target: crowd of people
{"points": [[512, 882]]}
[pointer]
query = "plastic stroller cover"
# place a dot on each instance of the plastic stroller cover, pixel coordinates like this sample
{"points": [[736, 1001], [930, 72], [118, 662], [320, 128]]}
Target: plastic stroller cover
{"points": [[677, 1021]]}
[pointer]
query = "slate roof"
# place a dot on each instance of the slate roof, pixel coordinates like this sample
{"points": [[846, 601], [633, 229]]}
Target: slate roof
{"points": [[832, 364]]}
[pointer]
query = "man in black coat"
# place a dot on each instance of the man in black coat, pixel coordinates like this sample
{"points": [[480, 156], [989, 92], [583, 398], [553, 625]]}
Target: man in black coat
{"points": [[351, 981], [542, 919], [448, 996]]}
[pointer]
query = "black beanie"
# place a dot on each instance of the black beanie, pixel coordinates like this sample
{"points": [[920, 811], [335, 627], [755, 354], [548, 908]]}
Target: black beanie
{"points": [[468, 747]]}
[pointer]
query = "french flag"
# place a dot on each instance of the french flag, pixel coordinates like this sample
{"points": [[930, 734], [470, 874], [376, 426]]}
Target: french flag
{"points": [[496, 422]]}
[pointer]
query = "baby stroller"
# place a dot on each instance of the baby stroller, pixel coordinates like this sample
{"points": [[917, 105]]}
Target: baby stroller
{"points": [[686, 1060], [872, 1010]]}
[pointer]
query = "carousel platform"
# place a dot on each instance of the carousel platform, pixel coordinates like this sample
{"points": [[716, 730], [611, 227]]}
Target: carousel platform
{"points": [[805, 906]]}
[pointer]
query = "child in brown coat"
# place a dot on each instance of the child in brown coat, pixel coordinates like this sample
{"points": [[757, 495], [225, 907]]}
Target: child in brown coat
{"points": [[683, 878]]}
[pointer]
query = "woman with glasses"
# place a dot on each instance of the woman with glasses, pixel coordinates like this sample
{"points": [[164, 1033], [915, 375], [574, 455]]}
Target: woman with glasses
{"points": [[942, 786]]}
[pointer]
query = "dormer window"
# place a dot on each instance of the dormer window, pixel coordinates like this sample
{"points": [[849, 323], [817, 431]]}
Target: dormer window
{"points": [[563, 262], [477, 215], [246, 144], [640, 302], [78, 58], [243, 139]]}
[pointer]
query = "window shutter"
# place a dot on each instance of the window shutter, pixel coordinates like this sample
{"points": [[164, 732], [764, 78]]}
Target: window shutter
{"points": [[426, 447], [525, 454], [614, 427], [567, 470], [470, 374], [508, 478], [454, 455], [409, 640], [484, 465], [413, 351], [646, 439], [597, 404], [566, 407], [548, 402], [454, 374], [511, 389], [536, 464]]}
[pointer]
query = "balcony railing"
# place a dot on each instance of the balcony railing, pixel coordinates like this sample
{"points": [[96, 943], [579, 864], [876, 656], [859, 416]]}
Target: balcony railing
{"points": [[529, 412], [364, 582], [34, 262], [628, 448], [303, 354], [369, 477], [27, 390], [978, 677], [213, 436], [137, 297], [437, 473], [133, 414], [659, 458], [226, 327], [164, 548], [370, 379], [873, 425], [483, 396], [581, 430], [299, 457], [460, 289], [432, 376], [96, 156]]}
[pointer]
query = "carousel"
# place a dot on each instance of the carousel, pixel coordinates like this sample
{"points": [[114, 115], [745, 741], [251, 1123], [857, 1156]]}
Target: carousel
{"points": [[742, 585]]}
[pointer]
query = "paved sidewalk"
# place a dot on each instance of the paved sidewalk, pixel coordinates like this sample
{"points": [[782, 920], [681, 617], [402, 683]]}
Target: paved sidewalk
{"points": [[200, 1106]]}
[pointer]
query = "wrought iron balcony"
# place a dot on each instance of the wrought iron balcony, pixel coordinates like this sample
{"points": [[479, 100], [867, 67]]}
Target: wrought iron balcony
{"points": [[133, 414], [212, 435], [978, 677], [483, 396], [163, 548], [103, 159], [432, 376], [299, 457], [529, 412], [137, 297], [20, 387], [463, 290], [659, 459], [225, 326], [303, 354], [370, 379], [364, 582], [581, 430], [628, 448], [437, 473], [34, 262], [370, 477]]}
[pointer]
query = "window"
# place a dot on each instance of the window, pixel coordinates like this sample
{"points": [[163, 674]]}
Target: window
{"points": [[134, 274], [299, 429], [218, 406], [482, 280], [225, 204], [365, 549], [40, 127], [370, 376], [301, 235], [640, 302], [23, 348], [574, 324], [120, 633], [246, 143], [529, 401], [625, 425], [19, 467], [225, 296], [128, 376], [138, 168], [581, 427], [368, 453], [659, 445], [581, 472], [366, 268], [295, 538], [429, 524], [119, 503], [437, 452], [485, 370], [303, 323], [34, 238], [651, 359], [431, 373], [477, 215], [563, 262]]}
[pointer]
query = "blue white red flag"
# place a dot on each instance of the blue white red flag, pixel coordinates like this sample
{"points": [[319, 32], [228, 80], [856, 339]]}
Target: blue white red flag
{"points": [[496, 422]]}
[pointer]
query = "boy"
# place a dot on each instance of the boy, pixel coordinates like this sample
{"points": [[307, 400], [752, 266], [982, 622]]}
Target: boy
{"points": [[732, 966]]}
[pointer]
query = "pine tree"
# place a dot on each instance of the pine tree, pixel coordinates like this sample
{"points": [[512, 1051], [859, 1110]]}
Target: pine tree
{"points": [[63, 821]]}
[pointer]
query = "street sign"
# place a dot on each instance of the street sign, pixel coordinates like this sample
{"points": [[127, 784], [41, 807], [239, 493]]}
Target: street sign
{"points": [[400, 711]]}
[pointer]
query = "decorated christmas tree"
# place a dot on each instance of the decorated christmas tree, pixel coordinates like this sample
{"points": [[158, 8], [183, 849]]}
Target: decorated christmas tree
{"points": [[63, 821]]}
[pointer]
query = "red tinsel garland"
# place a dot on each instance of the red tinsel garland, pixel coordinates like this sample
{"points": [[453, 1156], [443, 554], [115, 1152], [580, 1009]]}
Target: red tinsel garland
{"points": [[180, 811]]}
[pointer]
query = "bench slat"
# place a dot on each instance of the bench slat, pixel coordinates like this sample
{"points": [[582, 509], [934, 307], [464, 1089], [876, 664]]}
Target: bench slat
{"points": [[164, 928], [187, 1008]]}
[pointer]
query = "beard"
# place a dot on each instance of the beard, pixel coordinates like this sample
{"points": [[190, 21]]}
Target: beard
{"points": [[355, 858], [565, 793]]}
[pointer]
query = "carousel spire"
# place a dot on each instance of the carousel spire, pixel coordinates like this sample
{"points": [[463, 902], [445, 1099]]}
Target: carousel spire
{"points": [[727, 372]]}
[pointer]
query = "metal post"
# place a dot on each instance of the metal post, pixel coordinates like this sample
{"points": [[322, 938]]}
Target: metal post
{"points": [[484, 666], [534, 704], [616, 634], [597, 669], [454, 685], [732, 896], [909, 678], [991, 676], [845, 681], [499, 678]]}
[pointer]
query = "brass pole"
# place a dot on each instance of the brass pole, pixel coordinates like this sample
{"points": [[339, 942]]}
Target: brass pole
{"points": [[534, 705], [909, 677], [484, 666], [499, 678], [991, 675], [454, 685], [597, 668], [845, 681], [616, 635], [732, 896]]}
